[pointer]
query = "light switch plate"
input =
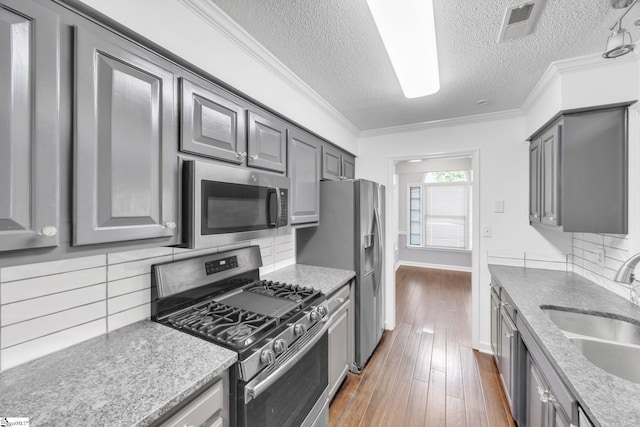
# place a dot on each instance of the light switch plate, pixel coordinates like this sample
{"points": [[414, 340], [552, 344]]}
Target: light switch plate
{"points": [[487, 231]]}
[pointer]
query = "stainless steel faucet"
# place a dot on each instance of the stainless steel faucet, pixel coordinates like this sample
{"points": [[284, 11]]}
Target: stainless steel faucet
{"points": [[626, 275]]}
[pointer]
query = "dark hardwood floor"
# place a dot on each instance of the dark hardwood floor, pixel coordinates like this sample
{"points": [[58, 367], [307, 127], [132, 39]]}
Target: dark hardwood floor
{"points": [[425, 373]]}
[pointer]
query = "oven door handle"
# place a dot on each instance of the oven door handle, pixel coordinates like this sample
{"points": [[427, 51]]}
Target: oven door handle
{"points": [[256, 387]]}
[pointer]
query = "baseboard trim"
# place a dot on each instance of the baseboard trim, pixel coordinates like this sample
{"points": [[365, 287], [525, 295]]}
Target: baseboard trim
{"points": [[435, 266], [485, 347]]}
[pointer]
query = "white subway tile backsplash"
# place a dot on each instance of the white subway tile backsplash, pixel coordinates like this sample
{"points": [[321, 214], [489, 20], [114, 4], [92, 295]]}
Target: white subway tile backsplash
{"points": [[611, 241], [126, 286], [45, 325], [546, 256], [30, 309], [617, 254], [140, 254], [135, 268], [47, 268], [30, 350], [546, 265], [593, 238], [36, 287], [49, 306], [128, 317], [127, 301]]}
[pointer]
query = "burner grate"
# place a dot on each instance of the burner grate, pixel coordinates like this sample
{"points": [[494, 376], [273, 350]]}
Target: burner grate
{"points": [[281, 290], [234, 326]]}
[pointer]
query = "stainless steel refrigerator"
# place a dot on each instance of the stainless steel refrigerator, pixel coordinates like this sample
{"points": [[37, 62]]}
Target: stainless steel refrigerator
{"points": [[351, 237]]}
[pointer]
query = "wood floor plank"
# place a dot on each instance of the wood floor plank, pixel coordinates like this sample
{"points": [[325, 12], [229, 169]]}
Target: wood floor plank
{"points": [[425, 371], [417, 404], [437, 400], [397, 405]]}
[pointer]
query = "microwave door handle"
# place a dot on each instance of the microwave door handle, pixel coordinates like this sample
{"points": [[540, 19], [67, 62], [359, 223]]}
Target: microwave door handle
{"points": [[272, 195], [279, 207]]}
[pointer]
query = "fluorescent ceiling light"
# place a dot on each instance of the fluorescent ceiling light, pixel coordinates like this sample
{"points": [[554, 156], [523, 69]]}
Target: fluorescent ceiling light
{"points": [[407, 28], [414, 160]]}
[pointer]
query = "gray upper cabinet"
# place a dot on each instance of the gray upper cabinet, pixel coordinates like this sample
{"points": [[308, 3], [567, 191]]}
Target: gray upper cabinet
{"points": [[29, 126], [534, 180], [348, 167], [212, 123], [550, 146], [337, 165], [304, 171], [125, 176], [267, 143], [579, 171]]}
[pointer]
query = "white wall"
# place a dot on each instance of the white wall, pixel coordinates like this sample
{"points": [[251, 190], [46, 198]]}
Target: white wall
{"points": [[220, 48], [502, 174]]}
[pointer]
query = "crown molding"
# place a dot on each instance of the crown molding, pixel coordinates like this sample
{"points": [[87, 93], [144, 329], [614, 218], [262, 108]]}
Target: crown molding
{"points": [[557, 69], [220, 21], [457, 121]]}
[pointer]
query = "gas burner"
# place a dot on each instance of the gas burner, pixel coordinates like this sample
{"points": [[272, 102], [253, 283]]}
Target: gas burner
{"points": [[281, 290], [235, 333]]}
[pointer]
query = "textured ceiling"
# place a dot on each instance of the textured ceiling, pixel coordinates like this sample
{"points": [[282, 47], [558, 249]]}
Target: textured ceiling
{"points": [[334, 46]]}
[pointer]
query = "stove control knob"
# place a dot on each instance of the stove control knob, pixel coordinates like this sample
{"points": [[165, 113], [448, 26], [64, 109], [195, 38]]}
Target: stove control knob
{"points": [[268, 356], [299, 330], [280, 346], [322, 311], [314, 315]]}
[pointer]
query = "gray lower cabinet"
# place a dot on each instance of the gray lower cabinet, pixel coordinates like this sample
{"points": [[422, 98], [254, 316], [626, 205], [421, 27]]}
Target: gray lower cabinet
{"points": [[579, 172], [336, 165], [267, 142], [212, 123], [542, 406], [29, 126], [340, 338], [125, 176], [304, 170]]}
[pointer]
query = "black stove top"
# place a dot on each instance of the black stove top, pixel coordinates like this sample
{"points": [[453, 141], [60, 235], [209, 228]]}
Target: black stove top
{"points": [[231, 306]]}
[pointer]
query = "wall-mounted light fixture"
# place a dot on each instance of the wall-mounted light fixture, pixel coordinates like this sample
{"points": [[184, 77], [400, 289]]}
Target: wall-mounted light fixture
{"points": [[619, 42], [407, 29]]}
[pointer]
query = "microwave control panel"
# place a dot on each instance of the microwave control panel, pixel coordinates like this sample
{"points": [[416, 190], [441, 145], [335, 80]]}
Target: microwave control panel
{"points": [[284, 207], [218, 265]]}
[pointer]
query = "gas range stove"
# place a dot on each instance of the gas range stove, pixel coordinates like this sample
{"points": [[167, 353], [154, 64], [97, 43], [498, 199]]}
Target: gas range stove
{"points": [[220, 298]]}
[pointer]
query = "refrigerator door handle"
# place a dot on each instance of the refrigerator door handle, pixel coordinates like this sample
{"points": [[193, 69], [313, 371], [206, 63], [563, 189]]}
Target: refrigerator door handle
{"points": [[379, 251]]}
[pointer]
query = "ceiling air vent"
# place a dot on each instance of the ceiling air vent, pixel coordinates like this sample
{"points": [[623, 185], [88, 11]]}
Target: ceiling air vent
{"points": [[520, 20]]}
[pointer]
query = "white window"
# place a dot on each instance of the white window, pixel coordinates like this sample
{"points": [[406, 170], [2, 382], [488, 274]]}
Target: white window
{"points": [[440, 210]]}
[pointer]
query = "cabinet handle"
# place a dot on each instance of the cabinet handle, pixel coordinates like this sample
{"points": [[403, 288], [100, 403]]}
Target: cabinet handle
{"points": [[535, 216], [238, 154], [340, 300], [550, 218], [508, 335], [243, 154], [171, 225], [49, 231], [505, 304], [253, 157]]}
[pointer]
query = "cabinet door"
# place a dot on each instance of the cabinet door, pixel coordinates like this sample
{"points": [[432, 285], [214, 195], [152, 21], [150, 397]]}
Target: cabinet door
{"points": [[338, 348], [212, 124], [331, 163], [536, 407], [534, 180], [29, 106], [125, 147], [304, 171], [348, 167], [267, 145], [550, 199], [508, 336], [495, 325]]}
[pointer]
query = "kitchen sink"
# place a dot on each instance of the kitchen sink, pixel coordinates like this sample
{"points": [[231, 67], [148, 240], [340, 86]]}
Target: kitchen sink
{"points": [[595, 326], [610, 344], [617, 359]]}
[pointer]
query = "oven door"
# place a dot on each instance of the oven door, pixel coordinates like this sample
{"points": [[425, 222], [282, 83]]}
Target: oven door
{"points": [[226, 204], [294, 394]]}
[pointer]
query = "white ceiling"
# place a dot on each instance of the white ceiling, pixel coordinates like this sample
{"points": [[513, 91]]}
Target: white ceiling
{"points": [[334, 46]]}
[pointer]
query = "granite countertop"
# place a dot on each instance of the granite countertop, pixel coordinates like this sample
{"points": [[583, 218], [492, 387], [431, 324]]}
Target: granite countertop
{"points": [[128, 377], [327, 280], [608, 400]]}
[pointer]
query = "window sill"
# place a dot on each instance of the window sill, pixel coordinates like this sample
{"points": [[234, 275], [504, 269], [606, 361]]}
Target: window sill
{"points": [[438, 248]]}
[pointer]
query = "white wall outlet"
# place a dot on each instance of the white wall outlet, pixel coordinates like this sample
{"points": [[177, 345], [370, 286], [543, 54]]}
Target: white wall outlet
{"points": [[487, 231], [499, 206], [601, 257]]}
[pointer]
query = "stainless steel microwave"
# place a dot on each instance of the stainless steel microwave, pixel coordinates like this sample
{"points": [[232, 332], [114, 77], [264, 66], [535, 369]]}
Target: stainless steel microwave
{"points": [[225, 204]]}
